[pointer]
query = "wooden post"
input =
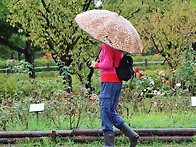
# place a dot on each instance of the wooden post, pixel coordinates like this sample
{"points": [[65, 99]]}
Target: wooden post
{"points": [[54, 136], [146, 64], [48, 67]]}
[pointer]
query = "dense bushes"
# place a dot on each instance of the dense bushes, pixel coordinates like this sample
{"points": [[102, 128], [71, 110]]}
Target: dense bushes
{"points": [[152, 91]]}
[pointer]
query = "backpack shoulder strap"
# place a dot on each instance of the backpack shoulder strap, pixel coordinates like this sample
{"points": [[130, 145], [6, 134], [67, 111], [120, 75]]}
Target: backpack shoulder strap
{"points": [[130, 60]]}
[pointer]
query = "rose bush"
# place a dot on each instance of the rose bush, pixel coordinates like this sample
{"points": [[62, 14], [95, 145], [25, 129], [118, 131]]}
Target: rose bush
{"points": [[167, 91], [59, 108], [16, 66]]}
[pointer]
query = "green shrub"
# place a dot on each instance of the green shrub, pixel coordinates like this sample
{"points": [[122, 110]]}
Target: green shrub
{"points": [[8, 84], [44, 62], [155, 57], [2, 64], [152, 92]]}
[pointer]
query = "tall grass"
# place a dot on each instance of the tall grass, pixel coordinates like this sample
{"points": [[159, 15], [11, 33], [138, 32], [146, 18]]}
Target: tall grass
{"points": [[152, 120]]}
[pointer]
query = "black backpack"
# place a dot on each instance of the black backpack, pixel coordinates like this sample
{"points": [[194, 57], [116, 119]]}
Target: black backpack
{"points": [[125, 69]]}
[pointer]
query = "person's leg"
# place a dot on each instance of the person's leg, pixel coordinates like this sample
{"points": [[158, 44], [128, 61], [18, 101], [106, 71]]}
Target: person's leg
{"points": [[105, 104], [105, 113], [132, 135], [116, 119], [109, 139], [108, 100], [118, 122]]}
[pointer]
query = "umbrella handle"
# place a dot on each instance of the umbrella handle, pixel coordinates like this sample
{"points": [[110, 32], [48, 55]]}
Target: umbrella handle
{"points": [[98, 55], [89, 63]]}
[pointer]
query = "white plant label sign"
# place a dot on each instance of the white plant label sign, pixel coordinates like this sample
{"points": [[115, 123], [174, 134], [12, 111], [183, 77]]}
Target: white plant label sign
{"points": [[36, 107], [193, 99]]}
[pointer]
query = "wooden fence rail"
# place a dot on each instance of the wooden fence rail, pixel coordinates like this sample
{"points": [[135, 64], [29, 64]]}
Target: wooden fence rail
{"points": [[83, 135], [48, 67]]}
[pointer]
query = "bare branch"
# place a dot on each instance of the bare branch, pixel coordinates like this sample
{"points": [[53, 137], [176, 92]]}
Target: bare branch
{"points": [[86, 5], [11, 45], [133, 13]]}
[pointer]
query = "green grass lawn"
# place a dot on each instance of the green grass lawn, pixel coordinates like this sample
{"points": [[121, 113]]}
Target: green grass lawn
{"points": [[151, 120]]}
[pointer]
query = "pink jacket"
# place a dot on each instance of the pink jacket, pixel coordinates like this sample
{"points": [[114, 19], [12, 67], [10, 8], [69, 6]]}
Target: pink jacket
{"points": [[108, 59]]}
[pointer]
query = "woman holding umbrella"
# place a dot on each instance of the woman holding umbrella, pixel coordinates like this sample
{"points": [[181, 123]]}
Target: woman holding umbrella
{"points": [[109, 96], [116, 34]]}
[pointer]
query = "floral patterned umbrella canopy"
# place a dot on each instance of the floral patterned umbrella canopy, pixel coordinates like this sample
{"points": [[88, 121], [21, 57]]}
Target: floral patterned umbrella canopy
{"points": [[111, 29]]}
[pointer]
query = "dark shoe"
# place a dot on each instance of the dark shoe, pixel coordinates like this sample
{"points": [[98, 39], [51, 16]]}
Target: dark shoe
{"points": [[109, 139], [132, 135]]}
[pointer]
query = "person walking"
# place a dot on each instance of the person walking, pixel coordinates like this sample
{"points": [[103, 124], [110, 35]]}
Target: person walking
{"points": [[109, 95]]}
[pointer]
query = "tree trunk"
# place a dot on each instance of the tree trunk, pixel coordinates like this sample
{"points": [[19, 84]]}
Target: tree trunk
{"points": [[64, 61], [28, 52], [29, 57]]}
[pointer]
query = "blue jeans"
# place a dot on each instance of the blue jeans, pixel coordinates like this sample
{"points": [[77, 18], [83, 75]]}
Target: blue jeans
{"points": [[108, 100]]}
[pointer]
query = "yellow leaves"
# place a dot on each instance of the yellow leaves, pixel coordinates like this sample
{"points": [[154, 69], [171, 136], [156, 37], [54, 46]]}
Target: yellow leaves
{"points": [[20, 30], [9, 16], [11, 11], [56, 24], [36, 42]]}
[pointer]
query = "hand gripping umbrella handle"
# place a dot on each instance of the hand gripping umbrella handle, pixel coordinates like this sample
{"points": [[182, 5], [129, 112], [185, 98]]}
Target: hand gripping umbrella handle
{"points": [[89, 63]]}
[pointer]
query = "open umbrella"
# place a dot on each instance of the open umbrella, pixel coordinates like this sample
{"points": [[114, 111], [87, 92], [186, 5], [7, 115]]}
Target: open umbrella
{"points": [[111, 29]]}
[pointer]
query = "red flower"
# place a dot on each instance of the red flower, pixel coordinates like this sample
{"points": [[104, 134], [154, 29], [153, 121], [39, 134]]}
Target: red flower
{"points": [[137, 69], [13, 60], [93, 100], [59, 99], [9, 101], [141, 74]]}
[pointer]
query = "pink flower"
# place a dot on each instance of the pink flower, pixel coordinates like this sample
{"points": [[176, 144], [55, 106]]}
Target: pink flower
{"points": [[155, 104], [155, 92], [15, 94], [195, 64], [9, 101], [152, 83], [13, 60], [160, 73], [137, 69]]}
